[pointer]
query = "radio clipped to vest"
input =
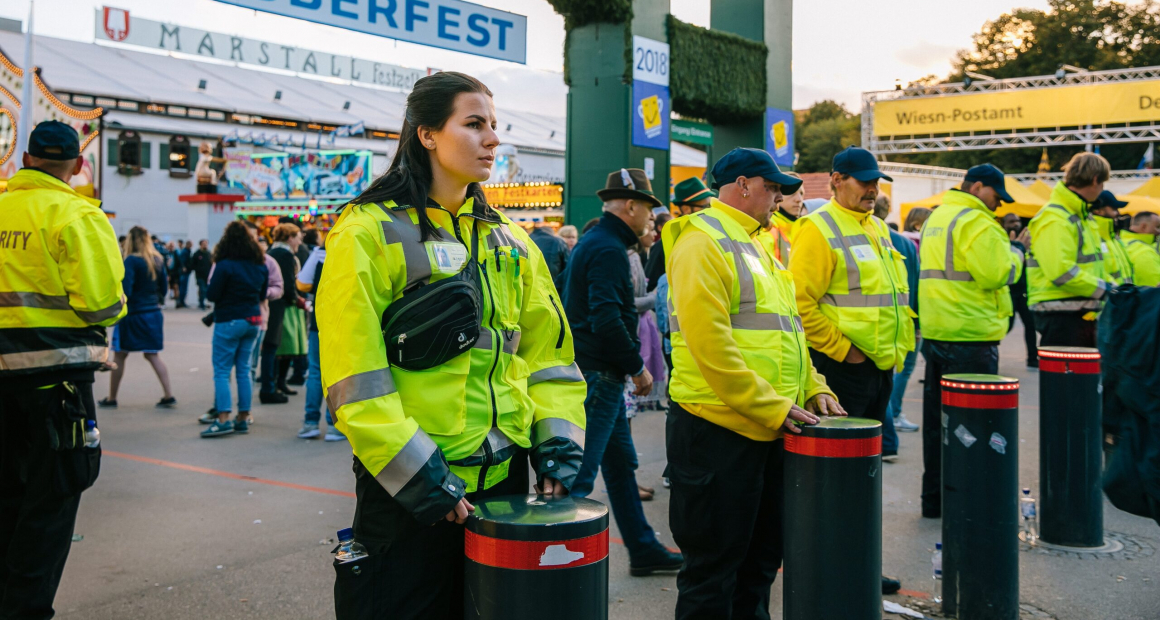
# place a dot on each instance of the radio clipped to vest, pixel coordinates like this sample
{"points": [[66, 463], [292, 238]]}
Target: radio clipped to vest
{"points": [[432, 324]]}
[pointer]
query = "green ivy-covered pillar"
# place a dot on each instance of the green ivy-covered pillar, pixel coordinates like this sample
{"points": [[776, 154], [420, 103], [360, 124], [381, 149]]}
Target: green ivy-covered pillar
{"points": [[598, 70], [769, 22]]}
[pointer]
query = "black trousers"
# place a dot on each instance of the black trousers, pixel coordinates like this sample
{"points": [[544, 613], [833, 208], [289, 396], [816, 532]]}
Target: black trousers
{"points": [[726, 516], [945, 358], [863, 389], [1026, 315], [413, 570], [1065, 329], [40, 490]]}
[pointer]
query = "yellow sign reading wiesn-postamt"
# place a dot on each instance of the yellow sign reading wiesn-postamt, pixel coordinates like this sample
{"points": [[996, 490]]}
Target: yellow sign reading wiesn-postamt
{"points": [[1064, 106]]}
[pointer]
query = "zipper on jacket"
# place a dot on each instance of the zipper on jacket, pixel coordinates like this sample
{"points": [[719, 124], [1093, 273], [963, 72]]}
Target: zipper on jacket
{"points": [[560, 318]]}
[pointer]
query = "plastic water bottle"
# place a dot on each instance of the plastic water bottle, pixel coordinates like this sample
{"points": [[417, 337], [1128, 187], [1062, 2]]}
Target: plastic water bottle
{"points": [[92, 434], [936, 572], [1030, 517], [348, 549]]}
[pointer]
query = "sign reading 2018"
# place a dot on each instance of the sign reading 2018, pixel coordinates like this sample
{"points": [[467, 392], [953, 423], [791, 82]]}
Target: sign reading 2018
{"points": [[449, 24]]}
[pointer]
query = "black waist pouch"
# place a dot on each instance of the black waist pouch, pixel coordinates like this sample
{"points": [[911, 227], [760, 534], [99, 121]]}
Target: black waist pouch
{"points": [[436, 322]]}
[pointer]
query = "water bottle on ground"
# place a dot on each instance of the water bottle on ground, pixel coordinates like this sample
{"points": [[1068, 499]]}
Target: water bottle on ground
{"points": [[348, 549], [936, 573], [92, 434], [1030, 517]]}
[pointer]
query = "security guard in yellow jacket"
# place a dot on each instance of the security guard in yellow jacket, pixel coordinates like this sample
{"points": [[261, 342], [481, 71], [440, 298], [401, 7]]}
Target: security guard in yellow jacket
{"points": [[1105, 211], [1066, 276], [427, 441], [741, 377], [1141, 245], [60, 286], [966, 264], [852, 289]]}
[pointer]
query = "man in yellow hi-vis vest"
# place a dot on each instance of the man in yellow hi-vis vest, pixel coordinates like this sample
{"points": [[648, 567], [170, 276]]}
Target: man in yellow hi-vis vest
{"points": [[1141, 245], [966, 265], [60, 287], [741, 377], [1066, 274]]}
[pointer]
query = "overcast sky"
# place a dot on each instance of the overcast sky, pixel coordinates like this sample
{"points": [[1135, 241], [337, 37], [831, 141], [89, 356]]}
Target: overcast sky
{"points": [[841, 47]]}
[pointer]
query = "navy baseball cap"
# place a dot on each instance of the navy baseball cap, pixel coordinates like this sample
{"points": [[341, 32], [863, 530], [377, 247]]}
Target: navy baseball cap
{"points": [[742, 162], [54, 140], [992, 177], [1108, 199], [858, 163]]}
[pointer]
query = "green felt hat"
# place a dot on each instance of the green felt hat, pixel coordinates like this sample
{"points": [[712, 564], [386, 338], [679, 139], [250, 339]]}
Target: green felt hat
{"points": [[691, 190]]}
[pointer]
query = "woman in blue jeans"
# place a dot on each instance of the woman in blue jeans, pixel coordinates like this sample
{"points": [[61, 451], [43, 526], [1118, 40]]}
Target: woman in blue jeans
{"points": [[236, 288]]}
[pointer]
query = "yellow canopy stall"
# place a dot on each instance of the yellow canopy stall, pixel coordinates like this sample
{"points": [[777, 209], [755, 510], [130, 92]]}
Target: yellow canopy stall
{"points": [[1041, 189], [1137, 204], [1150, 189], [1026, 204]]}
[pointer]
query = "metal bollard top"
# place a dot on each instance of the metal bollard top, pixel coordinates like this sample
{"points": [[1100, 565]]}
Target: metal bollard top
{"points": [[538, 518], [1069, 360], [835, 437], [973, 391]]}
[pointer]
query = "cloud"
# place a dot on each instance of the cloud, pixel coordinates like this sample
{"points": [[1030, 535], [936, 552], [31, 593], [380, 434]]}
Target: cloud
{"points": [[926, 56]]}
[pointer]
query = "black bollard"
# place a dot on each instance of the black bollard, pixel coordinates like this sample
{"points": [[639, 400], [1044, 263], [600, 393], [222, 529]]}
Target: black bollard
{"points": [[980, 497], [833, 521], [534, 557], [1071, 508]]}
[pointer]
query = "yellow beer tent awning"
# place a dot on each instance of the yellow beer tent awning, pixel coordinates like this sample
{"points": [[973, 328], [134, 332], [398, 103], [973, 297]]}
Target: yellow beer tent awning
{"points": [[1150, 189], [1137, 204], [1041, 189], [1026, 204]]}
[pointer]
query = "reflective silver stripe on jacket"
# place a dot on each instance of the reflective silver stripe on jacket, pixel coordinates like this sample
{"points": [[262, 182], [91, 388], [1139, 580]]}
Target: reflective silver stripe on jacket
{"points": [[853, 276], [766, 322], [408, 462], [570, 374], [1015, 267], [884, 300], [363, 386], [1067, 276], [13, 299], [96, 316], [747, 292], [400, 229], [501, 235], [511, 343], [26, 360], [948, 272], [549, 428], [1062, 305], [1080, 257]]}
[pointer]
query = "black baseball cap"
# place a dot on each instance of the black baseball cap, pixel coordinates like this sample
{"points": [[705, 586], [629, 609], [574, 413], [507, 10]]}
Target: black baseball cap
{"points": [[1108, 199], [54, 140], [860, 164], [743, 162], [991, 176]]}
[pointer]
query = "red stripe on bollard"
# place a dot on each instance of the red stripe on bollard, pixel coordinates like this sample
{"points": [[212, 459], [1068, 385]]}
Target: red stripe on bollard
{"points": [[1069, 366], [995, 400], [833, 448], [528, 555]]}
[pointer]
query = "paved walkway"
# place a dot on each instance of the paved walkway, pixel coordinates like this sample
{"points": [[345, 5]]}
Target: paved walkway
{"points": [[179, 527]]}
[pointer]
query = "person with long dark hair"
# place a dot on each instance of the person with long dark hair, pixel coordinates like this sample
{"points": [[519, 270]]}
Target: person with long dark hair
{"points": [[237, 286], [430, 440]]}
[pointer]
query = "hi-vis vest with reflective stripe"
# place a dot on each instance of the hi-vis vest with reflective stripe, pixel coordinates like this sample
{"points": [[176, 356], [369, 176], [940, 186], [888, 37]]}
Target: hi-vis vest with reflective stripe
{"points": [[518, 387], [868, 298], [762, 309], [1117, 266], [60, 277], [782, 233], [955, 306], [1078, 241]]}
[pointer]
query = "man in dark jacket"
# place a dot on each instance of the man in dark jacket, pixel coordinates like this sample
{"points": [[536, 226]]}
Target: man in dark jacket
{"points": [[600, 304], [553, 248], [201, 262]]}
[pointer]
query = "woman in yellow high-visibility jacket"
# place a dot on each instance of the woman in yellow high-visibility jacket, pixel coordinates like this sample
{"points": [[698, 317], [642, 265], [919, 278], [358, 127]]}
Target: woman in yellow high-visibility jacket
{"points": [[428, 442]]}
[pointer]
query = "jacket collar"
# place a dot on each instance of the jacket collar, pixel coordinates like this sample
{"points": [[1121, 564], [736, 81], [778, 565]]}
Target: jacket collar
{"points": [[750, 225], [1107, 227], [468, 209], [618, 228], [958, 198], [1069, 200], [31, 178], [1128, 235], [860, 216]]}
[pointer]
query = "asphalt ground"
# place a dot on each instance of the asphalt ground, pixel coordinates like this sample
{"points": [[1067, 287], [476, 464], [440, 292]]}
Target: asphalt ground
{"points": [[180, 527]]}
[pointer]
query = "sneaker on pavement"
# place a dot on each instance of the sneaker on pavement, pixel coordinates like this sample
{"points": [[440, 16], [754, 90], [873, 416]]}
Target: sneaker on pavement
{"points": [[167, 403], [332, 434], [241, 426], [105, 403], [309, 431], [889, 456], [208, 418], [902, 425], [662, 560], [296, 381], [273, 398], [217, 429], [890, 585]]}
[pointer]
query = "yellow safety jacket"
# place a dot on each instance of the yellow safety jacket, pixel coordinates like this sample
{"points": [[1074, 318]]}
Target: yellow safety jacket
{"points": [[966, 266], [431, 436], [1116, 262], [867, 297], [741, 359], [1065, 269], [784, 235], [1145, 259], [60, 279]]}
